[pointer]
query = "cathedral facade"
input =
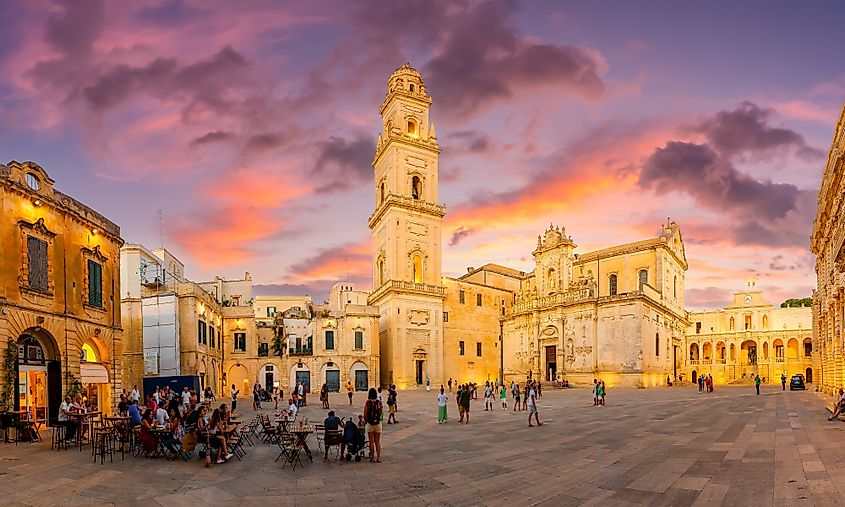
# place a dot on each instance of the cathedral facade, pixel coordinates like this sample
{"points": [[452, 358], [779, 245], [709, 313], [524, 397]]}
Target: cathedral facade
{"points": [[615, 313]]}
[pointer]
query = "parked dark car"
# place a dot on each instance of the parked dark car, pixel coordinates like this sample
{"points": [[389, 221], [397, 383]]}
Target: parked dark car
{"points": [[797, 382]]}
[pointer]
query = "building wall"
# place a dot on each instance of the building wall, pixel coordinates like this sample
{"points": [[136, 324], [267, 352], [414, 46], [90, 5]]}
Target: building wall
{"points": [[828, 244], [61, 315], [716, 346]]}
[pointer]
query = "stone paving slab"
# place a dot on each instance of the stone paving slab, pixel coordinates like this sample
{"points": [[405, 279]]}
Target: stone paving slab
{"points": [[648, 447]]}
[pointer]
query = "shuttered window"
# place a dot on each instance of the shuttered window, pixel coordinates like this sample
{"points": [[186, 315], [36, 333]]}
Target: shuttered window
{"points": [[359, 340], [36, 251], [95, 284]]}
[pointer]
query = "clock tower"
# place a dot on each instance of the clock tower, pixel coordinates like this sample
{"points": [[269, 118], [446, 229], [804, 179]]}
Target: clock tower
{"points": [[406, 230]]}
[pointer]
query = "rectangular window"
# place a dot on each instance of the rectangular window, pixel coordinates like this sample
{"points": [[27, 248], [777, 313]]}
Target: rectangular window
{"points": [[478, 299], [36, 252], [359, 340], [445, 316], [240, 342], [271, 311], [263, 350], [95, 284], [461, 347], [808, 349], [202, 338], [461, 297], [211, 336], [329, 340], [697, 327], [478, 349]]}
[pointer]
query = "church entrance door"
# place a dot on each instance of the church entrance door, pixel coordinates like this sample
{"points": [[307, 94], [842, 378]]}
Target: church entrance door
{"points": [[420, 377], [551, 363]]}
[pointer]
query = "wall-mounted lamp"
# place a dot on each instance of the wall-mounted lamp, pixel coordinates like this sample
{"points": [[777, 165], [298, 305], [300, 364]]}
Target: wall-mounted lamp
{"points": [[94, 232], [37, 202]]}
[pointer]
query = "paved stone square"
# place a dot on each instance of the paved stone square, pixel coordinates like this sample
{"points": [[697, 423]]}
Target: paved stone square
{"points": [[646, 447]]}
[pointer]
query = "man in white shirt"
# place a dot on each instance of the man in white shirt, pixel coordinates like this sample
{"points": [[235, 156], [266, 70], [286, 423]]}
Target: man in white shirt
{"points": [[532, 405], [161, 416], [292, 410], [186, 398], [135, 394], [67, 422], [234, 398]]}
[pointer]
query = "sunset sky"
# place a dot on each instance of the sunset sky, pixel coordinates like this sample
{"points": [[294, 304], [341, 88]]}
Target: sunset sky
{"points": [[253, 126]]}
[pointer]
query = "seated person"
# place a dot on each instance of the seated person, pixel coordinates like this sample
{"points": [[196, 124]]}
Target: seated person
{"points": [[840, 404], [68, 422], [173, 441], [192, 416], [134, 414], [123, 405], [332, 436], [149, 441], [161, 416]]}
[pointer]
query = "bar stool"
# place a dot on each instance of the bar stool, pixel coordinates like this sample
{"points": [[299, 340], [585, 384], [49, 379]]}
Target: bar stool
{"points": [[102, 444], [58, 440]]}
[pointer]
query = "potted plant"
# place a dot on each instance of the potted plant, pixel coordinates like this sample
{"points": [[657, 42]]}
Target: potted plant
{"points": [[7, 397]]}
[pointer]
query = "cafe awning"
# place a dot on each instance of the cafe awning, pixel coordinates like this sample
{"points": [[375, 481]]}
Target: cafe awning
{"points": [[94, 374]]}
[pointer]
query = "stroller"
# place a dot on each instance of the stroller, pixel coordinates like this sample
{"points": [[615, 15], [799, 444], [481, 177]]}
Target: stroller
{"points": [[353, 437]]}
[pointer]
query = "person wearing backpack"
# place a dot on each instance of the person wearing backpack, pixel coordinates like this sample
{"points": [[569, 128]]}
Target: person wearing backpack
{"points": [[373, 415]]}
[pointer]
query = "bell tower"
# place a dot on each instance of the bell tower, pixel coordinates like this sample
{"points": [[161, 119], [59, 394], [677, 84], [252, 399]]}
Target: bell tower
{"points": [[406, 232]]}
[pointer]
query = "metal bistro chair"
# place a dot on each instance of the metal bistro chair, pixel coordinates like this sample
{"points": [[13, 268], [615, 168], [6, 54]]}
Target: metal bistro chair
{"points": [[59, 432], [102, 443], [333, 439], [320, 431], [294, 450]]}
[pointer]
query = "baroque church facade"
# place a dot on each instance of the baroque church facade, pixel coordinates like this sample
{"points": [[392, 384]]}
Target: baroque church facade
{"points": [[616, 313]]}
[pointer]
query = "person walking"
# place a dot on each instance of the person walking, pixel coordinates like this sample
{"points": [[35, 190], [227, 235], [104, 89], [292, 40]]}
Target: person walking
{"points": [[783, 381], [516, 403], [373, 414], [596, 392], [757, 383], [276, 397], [532, 406], [450, 385], [391, 404], [603, 392], [488, 396], [466, 396], [442, 400], [503, 396], [349, 391]]}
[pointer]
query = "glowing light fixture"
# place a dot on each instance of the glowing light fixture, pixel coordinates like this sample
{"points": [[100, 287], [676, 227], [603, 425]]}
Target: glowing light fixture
{"points": [[94, 231], [37, 202]]}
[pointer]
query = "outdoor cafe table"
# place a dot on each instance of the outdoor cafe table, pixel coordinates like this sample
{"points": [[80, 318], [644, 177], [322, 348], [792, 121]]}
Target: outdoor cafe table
{"points": [[33, 427], [301, 433], [161, 434], [18, 414], [82, 419]]}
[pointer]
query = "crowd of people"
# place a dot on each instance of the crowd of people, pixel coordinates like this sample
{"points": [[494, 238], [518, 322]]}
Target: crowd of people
{"points": [[524, 399]]}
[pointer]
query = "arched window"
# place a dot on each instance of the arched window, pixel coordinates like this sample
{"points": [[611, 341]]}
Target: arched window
{"points": [[657, 344], [643, 278], [732, 324], [765, 322], [416, 187], [550, 277], [412, 128], [380, 271], [381, 193], [411, 87], [614, 284], [418, 267], [675, 287]]}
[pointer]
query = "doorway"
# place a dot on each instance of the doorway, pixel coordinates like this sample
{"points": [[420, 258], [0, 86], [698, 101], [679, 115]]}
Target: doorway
{"points": [[333, 381], [694, 377], [268, 380], [39, 386], [420, 369], [304, 376], [551, 363], [809, 376], [361, 380]]}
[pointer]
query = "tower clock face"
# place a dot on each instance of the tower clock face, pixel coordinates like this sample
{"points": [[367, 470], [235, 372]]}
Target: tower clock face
{"points": [[748, 298]]}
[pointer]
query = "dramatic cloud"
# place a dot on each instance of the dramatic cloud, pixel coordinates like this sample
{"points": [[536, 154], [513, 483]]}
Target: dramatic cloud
{"points": [[483, 60], [343, 163], [460, 234], [335, 262], [746, 130]]}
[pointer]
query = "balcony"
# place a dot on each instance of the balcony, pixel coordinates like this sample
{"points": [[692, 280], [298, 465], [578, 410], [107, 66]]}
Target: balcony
{"points": [[694, 362], [263, 349], [301, 352], [559, 299], [408, 287]]}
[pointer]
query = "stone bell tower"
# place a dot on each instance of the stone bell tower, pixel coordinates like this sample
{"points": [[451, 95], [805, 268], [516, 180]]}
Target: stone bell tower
{"points": [[406, 229]]}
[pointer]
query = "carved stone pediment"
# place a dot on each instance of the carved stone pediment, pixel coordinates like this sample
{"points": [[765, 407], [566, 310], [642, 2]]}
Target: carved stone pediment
{"points": [[38, 227], [419, 317], [95, 253]]}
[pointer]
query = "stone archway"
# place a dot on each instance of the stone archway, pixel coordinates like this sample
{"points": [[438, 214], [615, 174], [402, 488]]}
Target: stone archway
{"points": [[39, 372]]}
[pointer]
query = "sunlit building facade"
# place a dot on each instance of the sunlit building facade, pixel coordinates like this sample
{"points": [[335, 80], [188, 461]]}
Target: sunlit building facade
{"points": [[828, 244], [59, 299], [747, 338]]}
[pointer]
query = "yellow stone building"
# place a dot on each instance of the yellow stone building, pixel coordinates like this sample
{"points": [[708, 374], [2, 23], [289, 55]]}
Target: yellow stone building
{"points": [[59, 276], [173, 325], [749, 337], [296, 341], [617, 312], [828, 244]]}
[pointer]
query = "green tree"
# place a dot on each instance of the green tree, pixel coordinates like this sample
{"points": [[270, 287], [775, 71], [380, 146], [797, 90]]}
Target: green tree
{"points": [[797, 303]]}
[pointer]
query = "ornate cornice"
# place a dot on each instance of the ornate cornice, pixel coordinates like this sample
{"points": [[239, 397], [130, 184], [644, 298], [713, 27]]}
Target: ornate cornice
{"points": [[38, 226], [429, 144], [400, 201]]}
